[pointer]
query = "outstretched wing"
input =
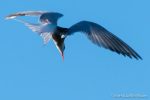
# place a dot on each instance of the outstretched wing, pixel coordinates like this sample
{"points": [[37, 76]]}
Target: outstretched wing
{"points": [[101, 37], [44, 30], [25, 13], [44, 17]]}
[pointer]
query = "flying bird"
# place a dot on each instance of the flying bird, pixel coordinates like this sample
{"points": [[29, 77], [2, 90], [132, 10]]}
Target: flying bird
{"points": [[48, 29]]}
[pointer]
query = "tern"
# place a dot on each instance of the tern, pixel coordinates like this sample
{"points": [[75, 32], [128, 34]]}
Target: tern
{"points": [[48, 29]]}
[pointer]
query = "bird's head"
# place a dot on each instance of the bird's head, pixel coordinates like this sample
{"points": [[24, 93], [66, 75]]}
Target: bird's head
{"points": [[50, 17]]}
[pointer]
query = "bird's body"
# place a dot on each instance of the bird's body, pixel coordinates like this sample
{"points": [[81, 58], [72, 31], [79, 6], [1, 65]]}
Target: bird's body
{"points": [[58, 37], [48, 29]]}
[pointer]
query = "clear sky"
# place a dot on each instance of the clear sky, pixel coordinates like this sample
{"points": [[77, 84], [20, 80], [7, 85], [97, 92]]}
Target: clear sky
{"points": [[30, 71]]}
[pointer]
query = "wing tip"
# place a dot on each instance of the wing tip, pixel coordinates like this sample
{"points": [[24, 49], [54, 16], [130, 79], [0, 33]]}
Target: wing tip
{"points": [[9, 17], [137, 57]]}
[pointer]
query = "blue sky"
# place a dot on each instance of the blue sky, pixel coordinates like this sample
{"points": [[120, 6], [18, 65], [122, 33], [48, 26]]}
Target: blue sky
{"points": [[29, 71]]}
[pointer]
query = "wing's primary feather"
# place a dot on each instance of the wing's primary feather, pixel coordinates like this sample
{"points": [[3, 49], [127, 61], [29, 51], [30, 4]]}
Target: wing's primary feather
{"points": [[102, 37], [25, 13]]}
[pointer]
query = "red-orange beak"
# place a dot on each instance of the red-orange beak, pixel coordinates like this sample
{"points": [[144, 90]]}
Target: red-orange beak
{"points": [[62, 55]]}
